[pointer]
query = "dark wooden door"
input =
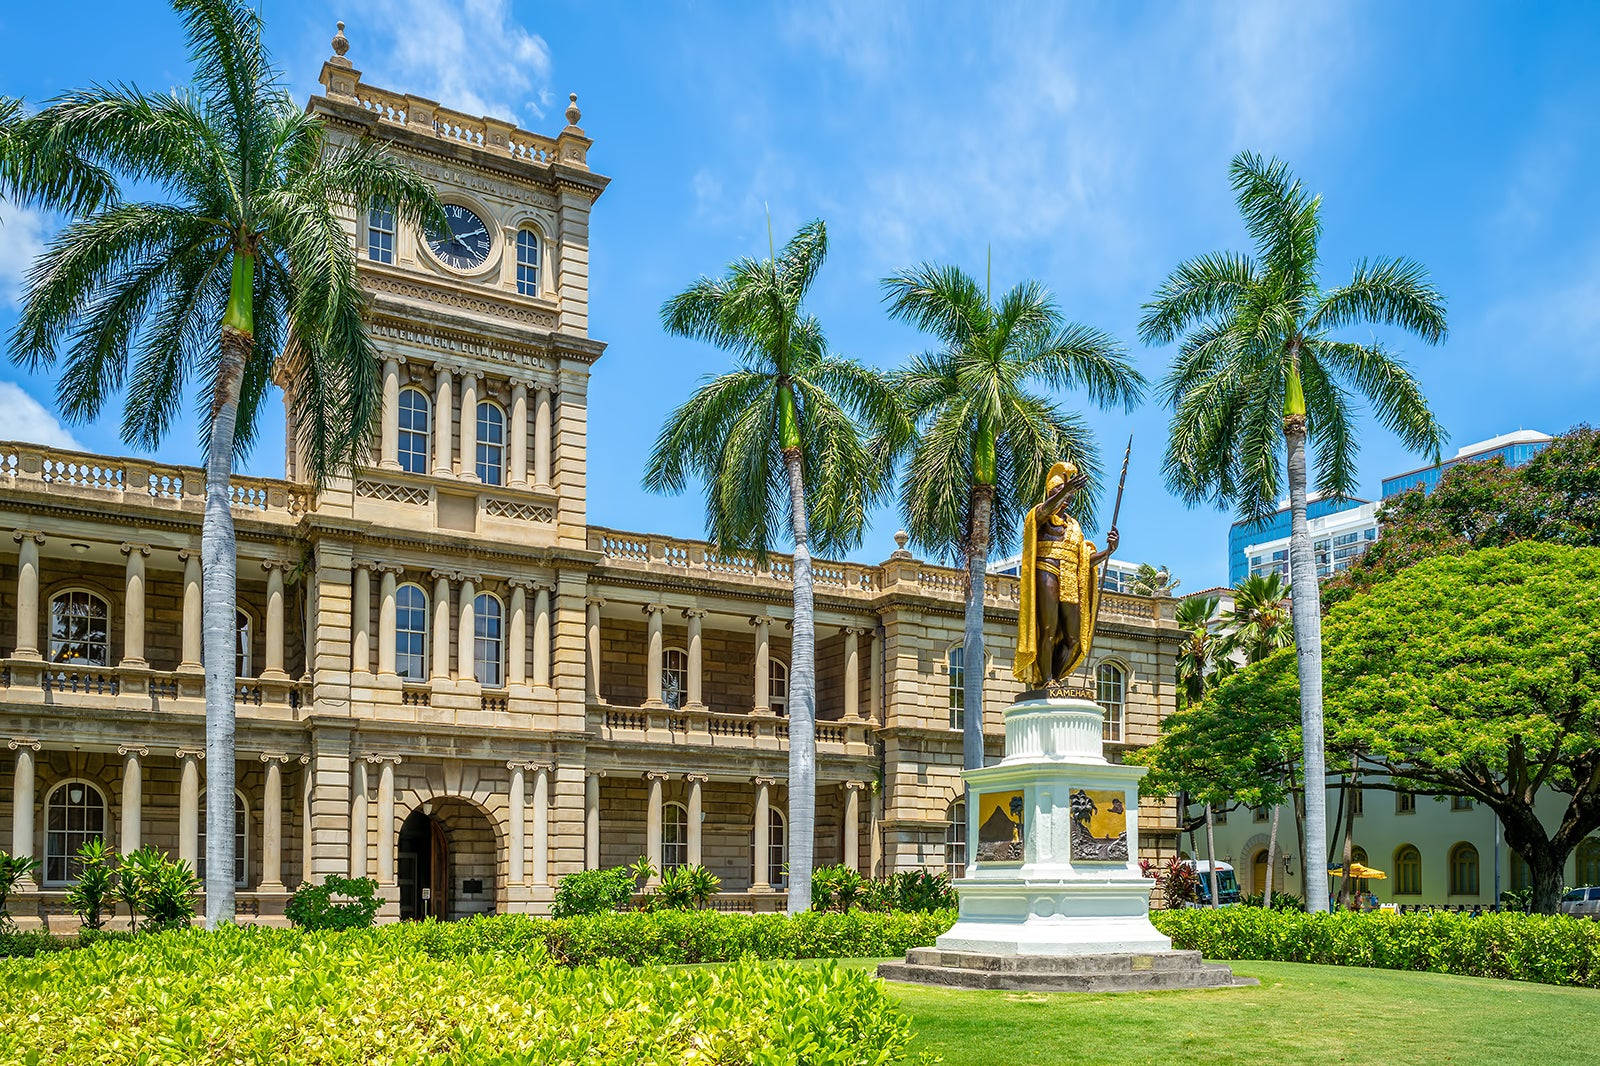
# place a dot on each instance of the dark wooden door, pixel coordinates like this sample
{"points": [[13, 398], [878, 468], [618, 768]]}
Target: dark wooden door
{"points": [[439, 872]]}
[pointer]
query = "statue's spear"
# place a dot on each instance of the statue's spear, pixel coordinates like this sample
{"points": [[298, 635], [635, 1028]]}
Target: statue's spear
{"points": [[1121, 481], [1116, 510]]}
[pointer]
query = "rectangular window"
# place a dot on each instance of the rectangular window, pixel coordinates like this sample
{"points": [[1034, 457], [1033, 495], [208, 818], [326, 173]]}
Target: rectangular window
{"points": [[1405, 803], [958, 685], [1460, 803], [1258, 814], [1358, 803], [380, 232]]}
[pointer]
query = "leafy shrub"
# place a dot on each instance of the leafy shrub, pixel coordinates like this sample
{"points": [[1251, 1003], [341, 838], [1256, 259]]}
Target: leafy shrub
{"points": [[160, 889], [1551, 949], [337, 903], [40, 942], [258, 996], [1281, 901], [836, 888], [593, 891], [1177, 881], [686, 888], [13, 868], [94, 893], [915, 891]]}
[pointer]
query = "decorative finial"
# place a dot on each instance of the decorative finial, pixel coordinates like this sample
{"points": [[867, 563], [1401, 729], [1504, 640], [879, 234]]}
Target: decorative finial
{"points": [[573, 114], [341, 43], [901, 539]]}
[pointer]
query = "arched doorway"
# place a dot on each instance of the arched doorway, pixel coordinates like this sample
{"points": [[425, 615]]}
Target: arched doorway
{"points": [[446, 862], [1258, 871]]}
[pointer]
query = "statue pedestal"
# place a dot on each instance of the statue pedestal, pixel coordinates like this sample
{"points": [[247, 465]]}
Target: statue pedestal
{"points": [[1053, 871]]}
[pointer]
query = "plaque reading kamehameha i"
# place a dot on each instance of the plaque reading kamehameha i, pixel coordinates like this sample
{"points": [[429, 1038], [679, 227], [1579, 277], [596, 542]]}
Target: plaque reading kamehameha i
{"points": [[1000, 826], [1099, 825]]}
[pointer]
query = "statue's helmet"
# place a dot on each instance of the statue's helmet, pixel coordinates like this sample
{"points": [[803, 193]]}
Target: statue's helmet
{"points": [[1060, 474]]}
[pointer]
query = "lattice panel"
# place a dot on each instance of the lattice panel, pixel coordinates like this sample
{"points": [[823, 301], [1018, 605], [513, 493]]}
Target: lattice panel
{"points": [[380, 490], [522, 512]]}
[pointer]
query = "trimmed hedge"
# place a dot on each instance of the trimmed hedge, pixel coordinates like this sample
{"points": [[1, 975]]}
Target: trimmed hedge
{"points": [[1550, 949], [40, 942], [253, 995]]}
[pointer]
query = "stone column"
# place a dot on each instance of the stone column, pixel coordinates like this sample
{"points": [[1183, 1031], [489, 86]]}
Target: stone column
{"points": [[852, 672], [541, 637], [652, 656], [759, 882], [193, 631], [389, 433], [519, 435], [361, 618], [386, 619], [542, 437], [652, 826], [541, 825], [763, 678], [272, 824], [852, 824], [132, 795], [442, 413], [133, 606], [27, 602], [274, 668], [592, 643], [466, 638], [517, 846], [591, 821], [358, 819], [439, 668], [695, 816], [386, 829], [22, 786], [875, 679], [189, 805], [693, 682], [469, 426], [517, 636]]}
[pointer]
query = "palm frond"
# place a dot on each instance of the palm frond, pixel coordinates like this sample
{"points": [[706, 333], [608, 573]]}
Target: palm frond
{"points": [[1198, 289], [941, 300], [1394, 292]]}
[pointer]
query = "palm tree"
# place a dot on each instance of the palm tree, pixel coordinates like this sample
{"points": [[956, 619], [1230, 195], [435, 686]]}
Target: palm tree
{"points": [[1260, 373], [40, 175], [1202, 661], [774, 440], [246, 264], [1259, 622], [980, 442]]}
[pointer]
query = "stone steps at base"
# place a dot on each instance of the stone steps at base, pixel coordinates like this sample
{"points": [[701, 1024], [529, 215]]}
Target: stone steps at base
{"points": [[1110, 962], [1204, 975]]}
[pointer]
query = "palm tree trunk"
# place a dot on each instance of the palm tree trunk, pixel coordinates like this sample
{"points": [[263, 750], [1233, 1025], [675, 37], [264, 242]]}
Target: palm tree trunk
{"points": [[1211, 854], [802, 702], [1307, 612], [972, 650], [1272, 858]]}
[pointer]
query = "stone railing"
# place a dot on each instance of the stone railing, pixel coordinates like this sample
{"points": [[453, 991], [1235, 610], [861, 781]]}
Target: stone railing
{"points": [[671, 726], [491, 135], [32, 467], [31, 681], [666, 555]]}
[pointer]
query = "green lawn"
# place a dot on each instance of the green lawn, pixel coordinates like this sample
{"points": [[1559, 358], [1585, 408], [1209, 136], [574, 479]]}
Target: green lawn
{"points": [[1300, 1014]]}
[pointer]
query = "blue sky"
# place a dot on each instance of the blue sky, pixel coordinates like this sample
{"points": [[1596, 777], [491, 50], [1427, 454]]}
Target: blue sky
{"points": [[1087, 144]]}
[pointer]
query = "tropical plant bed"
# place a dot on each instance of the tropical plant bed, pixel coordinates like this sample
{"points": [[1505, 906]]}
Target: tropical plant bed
{"points": [[382, 996]]}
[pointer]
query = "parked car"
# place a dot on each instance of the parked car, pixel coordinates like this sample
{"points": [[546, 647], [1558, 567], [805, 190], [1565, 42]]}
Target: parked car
{"points": [[1227, 883], [1584, 902]]}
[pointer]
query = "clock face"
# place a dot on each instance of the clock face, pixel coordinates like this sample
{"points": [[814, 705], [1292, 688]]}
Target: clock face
{"points": [[466, 245]]}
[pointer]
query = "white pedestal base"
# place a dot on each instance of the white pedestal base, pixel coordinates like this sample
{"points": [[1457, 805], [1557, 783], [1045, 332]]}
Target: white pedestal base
{"points": [[1080, 917]]}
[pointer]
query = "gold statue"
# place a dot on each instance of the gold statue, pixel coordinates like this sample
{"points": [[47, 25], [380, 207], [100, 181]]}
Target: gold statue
{"points": [[1060, 590]]}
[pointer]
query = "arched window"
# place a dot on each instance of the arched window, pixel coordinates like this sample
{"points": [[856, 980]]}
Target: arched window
{"points": [[1110, 692], [527, 262], [411, 632], [241, 645], [778, 686], [489, 641], [380, 231], [415, 416], [1463, 870], [1521, 875], [674, 677], [1589, 862], [491, 444], [674, 836], [1358, 857], [956, 675], [777, 849], [241, 825], [80, 633], [955, 841], [75, 813], [1408, 871]]}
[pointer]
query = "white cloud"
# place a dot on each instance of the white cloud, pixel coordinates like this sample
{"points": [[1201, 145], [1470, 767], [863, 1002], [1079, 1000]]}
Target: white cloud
{"points": [[470, 56], [22, 237], [26, 419]]}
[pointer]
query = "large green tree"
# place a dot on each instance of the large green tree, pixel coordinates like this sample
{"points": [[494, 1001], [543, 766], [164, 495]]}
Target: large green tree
{"points": [[247, 263], [1261, 374], [1471, 675], [980, 439], [777, 442]]}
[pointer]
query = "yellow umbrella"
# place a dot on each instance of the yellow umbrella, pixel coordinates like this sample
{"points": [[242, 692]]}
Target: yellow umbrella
{"points": [[1358, 870]]}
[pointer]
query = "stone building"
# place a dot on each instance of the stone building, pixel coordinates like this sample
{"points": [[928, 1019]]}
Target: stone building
{"points": [[447, 679]]}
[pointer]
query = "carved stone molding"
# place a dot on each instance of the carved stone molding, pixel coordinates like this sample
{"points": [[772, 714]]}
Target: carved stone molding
{"points": [[24, 742], [140, 750]]}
